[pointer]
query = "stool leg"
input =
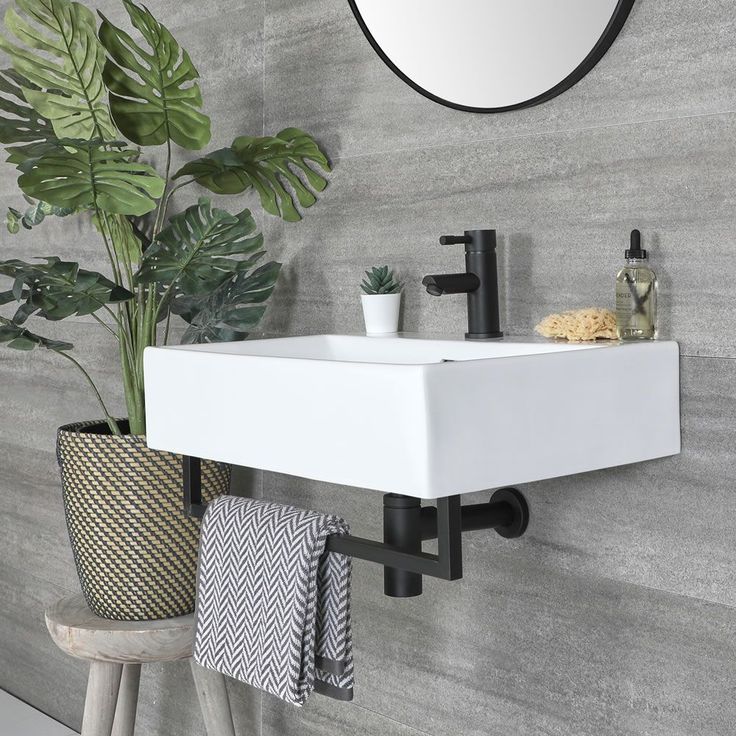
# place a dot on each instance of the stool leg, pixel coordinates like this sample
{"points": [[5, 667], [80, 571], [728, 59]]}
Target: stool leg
{"points": [[124, 724], [214, 701], [102, 695]]}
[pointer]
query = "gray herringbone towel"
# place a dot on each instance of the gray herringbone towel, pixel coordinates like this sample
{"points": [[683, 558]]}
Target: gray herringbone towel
{"points": [[273, 608]]}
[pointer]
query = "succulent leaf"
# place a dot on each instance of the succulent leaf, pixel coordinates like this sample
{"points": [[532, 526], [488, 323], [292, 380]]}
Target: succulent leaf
{"points": [[381, 280]]}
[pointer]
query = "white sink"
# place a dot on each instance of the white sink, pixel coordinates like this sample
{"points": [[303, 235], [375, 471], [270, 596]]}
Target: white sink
{"points": [[418, 416]]}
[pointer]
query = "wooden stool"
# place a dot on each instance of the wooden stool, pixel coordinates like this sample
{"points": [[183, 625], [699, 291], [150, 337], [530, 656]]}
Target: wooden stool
{"points": [[116, 650]]}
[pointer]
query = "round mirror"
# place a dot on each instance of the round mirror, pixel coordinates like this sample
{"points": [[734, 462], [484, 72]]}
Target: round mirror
{"points": [[491, 55]]}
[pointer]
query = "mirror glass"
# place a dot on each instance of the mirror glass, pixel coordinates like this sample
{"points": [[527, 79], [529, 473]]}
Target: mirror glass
{"points": [[491, 55]]}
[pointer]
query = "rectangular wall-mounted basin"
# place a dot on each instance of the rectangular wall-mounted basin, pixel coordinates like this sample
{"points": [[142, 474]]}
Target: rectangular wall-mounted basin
{"points": [[418, 416]]}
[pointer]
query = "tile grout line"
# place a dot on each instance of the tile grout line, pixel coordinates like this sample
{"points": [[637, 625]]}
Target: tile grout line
{"points": [[393, 720], [709, 357], [383, 716], [540, 134], [263, 70], [62, 588], [655, 589]]}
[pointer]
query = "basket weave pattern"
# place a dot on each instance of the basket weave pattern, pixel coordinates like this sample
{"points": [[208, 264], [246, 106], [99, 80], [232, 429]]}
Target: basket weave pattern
{"points": [[134, 547]]}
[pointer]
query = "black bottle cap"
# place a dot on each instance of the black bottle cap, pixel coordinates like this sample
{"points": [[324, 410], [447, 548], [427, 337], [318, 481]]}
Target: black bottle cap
{"points": [[635, 250]]}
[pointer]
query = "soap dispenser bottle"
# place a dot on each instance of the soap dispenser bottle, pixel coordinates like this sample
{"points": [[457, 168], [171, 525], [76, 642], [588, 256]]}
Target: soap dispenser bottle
{"points": [[636, 295]]}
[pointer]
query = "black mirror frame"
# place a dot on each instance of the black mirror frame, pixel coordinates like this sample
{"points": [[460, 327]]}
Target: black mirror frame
{"points": [[618, 19]]}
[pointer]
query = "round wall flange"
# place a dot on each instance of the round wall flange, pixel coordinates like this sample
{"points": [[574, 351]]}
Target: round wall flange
{"points": [[520, 520]]}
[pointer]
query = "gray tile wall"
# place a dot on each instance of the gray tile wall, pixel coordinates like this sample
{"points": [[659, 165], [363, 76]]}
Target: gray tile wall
{"points": [[616, 614]]}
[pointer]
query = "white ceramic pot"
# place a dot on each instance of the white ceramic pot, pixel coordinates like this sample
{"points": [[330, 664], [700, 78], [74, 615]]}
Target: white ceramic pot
{"points": [[381, 313]]}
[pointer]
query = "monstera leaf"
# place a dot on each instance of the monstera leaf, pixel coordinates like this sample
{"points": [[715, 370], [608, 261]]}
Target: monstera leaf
{"points": [[82, 174], [152, 97], [231, 310], [61, 56], [266, 164], [58, 289], [200, 249], [20, 123], [19, 338]]}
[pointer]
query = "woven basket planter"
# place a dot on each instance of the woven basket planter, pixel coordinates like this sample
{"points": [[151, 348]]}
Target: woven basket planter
{"points": [[134, 547]]}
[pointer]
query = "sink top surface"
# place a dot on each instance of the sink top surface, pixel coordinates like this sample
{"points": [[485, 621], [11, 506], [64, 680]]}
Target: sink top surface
{"points": [[400, 349]]}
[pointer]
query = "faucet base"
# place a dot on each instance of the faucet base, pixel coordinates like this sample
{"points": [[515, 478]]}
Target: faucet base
{"points": [[482, 335]]}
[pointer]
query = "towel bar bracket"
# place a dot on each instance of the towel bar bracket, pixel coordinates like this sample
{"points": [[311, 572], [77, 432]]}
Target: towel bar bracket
{"points": [[192, 486], [405, 525]]}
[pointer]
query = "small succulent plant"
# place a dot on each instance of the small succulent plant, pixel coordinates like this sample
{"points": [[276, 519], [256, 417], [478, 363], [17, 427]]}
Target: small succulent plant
{"points": [[381, 280]]}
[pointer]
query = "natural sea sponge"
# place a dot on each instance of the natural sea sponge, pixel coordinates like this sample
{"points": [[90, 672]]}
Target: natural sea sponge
{"points": [[580, 325]]}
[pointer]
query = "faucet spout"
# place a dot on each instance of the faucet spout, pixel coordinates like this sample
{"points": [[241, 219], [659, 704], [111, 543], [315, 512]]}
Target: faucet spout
{"points": [[479, 282], [451, 283]]}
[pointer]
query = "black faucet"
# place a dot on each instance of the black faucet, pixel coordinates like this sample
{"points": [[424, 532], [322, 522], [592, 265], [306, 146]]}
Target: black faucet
{"points": [[479, 282]]}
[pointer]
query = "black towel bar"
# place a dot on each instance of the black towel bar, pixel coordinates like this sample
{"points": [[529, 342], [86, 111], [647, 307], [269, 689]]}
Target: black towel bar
{"points": [[405, 525]]}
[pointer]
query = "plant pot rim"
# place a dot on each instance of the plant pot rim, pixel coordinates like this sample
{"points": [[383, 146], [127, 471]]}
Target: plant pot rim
{"points": [[371, 296], [99, 428], [89, 426]]}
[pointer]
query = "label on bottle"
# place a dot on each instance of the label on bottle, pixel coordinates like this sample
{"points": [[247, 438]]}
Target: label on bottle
{"points": [[635, 305], [623, 302]]}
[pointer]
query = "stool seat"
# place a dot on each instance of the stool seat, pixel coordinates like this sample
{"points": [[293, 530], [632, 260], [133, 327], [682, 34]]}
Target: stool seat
{"points": [[116, 650], [79, 632]]}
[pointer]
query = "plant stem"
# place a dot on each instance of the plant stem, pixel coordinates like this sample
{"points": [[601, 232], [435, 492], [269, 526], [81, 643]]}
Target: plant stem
{"points": [[128, 380], [130, 321], [164, 201], [107, 327], [114, 428], [164, 205], [166, 329], [116, 317]]}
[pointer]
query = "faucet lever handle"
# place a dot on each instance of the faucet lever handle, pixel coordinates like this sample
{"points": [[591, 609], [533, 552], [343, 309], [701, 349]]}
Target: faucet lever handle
{"points": [[454, 239]]}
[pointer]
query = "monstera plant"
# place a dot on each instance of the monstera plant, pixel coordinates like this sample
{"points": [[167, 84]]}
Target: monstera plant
{"points": [[79, 110]]}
